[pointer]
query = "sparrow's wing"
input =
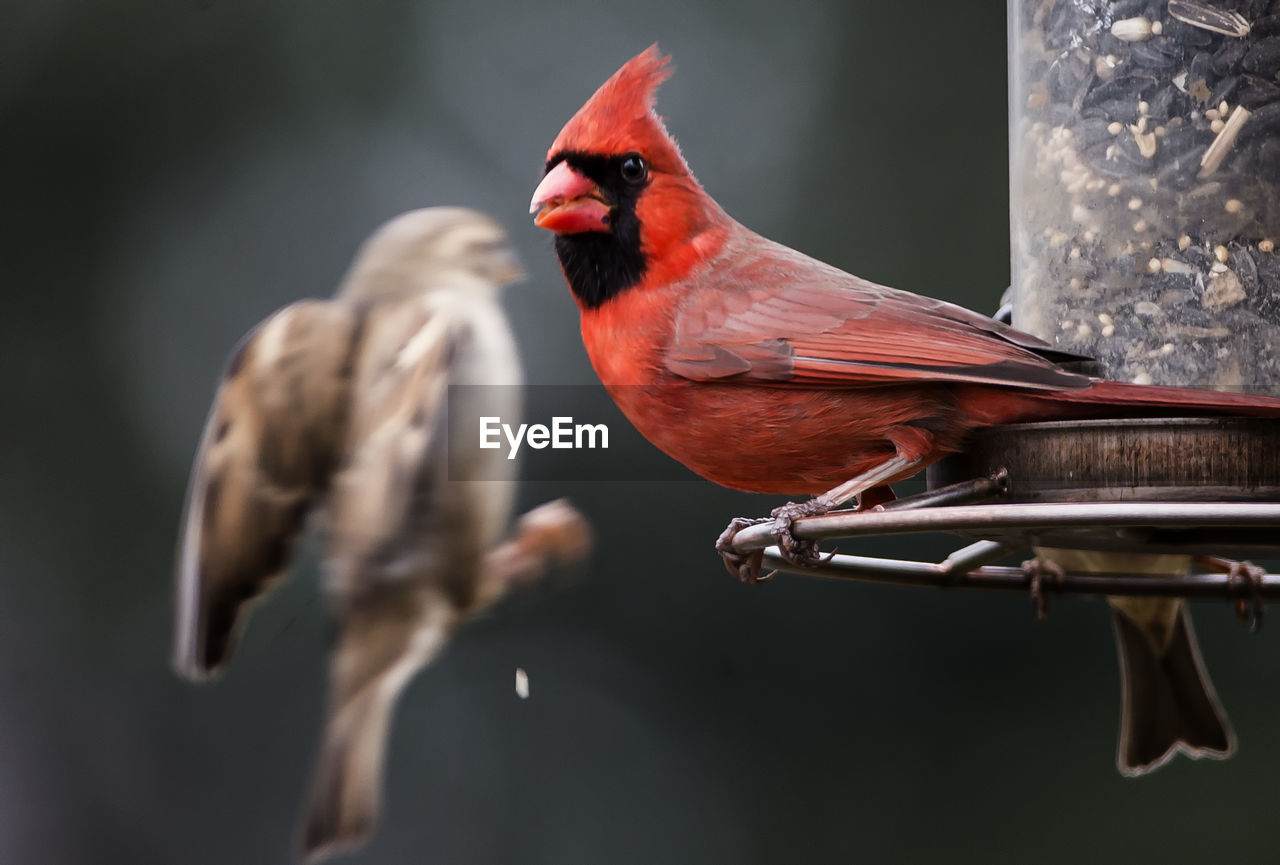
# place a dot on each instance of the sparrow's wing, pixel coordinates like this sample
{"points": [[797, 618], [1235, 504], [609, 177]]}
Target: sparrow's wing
{"points": [[778, 316], [382, 495], [267, 452], [402, 553]]}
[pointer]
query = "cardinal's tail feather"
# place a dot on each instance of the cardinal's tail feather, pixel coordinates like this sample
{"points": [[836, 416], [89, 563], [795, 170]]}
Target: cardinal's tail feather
{"points": [[1146, 400], [1169, 704]]}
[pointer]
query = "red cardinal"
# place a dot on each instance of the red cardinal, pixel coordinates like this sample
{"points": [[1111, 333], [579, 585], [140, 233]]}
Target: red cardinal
{"points": [[768, 371], [764, 370]]}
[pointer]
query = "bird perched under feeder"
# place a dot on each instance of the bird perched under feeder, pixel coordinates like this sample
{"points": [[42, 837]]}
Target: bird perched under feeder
{"points": [[768, 371], [342, 408]]}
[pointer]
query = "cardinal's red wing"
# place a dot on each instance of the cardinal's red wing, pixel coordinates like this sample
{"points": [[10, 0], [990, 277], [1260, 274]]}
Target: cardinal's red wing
{"points": [[787, 318]]}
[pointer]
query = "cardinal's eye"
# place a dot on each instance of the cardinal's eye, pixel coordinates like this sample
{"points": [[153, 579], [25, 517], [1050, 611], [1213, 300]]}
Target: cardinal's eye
{"points": [[634, 169]]}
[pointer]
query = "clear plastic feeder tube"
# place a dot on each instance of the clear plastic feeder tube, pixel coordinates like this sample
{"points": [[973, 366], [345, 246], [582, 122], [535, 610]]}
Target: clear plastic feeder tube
{"points": [[1145, 184]]}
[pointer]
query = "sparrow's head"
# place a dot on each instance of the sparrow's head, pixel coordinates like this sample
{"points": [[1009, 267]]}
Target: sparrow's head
{"points": [[429, 249], [617, 193]]}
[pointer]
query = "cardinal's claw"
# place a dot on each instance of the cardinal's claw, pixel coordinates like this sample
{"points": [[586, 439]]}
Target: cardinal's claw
{"points": [[794, 550], [746, 567], [1042, 572]]}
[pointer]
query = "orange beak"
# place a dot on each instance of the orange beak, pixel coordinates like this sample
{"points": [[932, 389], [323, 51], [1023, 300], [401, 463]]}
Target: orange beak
{"points": [[568, 203]]}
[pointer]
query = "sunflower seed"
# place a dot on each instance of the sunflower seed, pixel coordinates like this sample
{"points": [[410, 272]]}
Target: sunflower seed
{"points": [[1256, 92], [1090, 131], [1263, 57], [1263, 120], [1268, 26], [1210, 18], [1224, 89], [1246, 269], [1155, 55], [1228, 57], [1192, 37]]}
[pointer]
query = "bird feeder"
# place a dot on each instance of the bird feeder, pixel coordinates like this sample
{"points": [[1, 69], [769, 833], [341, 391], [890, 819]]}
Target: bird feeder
{"points": [[1145, 208]]}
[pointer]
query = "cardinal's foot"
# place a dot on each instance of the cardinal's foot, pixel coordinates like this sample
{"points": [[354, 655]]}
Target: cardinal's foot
{"points": [[1043, 573], [794, 550], [745, 566]]}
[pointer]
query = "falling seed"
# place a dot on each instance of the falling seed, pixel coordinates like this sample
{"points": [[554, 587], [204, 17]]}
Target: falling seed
{"points": [[1167, 348], [1233, 205], [1140, 226], [1153, 266], [1132, 29], [1135, 203], [1115, 127], [522, 684], [1105, 319], [1220, 252], [1113, 190], [1083, 331], [1208, 18], [1159, 132], [1184, 242], [1266, 245], [1108, 330]]}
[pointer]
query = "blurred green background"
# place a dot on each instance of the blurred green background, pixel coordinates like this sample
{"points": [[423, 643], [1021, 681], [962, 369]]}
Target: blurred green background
{"points": [[173, 171]]}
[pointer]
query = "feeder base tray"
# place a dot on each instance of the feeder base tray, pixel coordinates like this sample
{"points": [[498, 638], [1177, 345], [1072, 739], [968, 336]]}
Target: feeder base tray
{"points": [[1159, 461]]}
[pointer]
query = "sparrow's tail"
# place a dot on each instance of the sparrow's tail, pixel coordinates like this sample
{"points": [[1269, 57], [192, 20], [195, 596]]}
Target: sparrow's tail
{"points": [[347, 788], [1169, 703], [379, 652]]}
